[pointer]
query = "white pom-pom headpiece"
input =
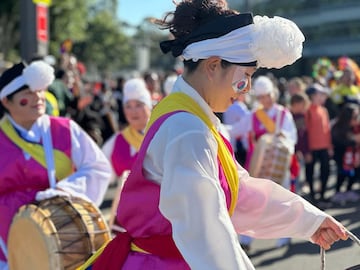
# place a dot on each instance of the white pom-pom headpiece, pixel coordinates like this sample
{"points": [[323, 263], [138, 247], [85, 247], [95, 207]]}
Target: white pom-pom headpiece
{"points": [[37, 76], [265, 42], [276, 42]]}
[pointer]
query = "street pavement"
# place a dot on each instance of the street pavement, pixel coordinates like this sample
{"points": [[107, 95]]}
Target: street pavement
{"points": [[300, 254]]}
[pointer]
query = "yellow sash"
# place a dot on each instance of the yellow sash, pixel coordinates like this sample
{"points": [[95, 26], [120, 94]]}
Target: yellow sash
{"points": [[63, 165], [180, 101], [53, 102], [133, 137], [267, 122]]}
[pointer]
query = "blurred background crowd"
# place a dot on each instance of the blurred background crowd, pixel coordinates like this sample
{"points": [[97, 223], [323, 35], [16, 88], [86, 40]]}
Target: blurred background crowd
{"points": [[94, 52]]}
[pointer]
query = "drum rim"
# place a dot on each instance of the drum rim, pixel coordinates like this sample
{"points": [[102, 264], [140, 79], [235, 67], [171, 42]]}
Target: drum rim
{"points": [[34, 210]]}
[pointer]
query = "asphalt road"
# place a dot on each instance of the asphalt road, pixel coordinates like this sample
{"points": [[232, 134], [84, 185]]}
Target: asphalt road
{"points": [[305, 255]]}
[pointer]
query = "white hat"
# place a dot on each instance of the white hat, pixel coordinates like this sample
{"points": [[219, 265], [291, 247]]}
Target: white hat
{"points": [[317, 88], [37, 76], [263, 86], [135, 89]]}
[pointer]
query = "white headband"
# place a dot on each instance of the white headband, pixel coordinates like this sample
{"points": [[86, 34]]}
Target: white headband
{"points": [[272, 42], [38, 76], [232, 47], [12, 86]]}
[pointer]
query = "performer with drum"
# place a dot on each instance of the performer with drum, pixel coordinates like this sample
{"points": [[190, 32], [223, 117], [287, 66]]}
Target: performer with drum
{"points": [[122, 148], [265, 158], [186, 198], [41, 156]]}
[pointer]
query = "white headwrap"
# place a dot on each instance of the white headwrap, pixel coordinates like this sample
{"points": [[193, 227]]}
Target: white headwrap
{"points": [[135, 89], [262, 86], [38, 76], [272, 42]]}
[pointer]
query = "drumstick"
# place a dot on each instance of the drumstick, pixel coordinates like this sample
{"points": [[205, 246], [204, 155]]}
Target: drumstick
{"points": [[353, 237], [322, 251]]}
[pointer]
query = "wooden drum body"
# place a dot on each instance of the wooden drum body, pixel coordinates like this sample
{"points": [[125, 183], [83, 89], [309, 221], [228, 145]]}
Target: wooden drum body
{"points": [[271, 158], [56, 233]]}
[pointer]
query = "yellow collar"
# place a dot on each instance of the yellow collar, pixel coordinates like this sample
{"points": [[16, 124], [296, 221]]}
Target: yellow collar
{"points": [[180, 101], [133, 137]]}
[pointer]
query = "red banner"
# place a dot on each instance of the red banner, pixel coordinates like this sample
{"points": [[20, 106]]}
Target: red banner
{"points": [[42, 23]]}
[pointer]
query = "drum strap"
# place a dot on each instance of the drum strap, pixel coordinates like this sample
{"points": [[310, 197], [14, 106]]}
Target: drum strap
{"points": [[63, 164], [182, 102], [133, 137], [265, 120]]}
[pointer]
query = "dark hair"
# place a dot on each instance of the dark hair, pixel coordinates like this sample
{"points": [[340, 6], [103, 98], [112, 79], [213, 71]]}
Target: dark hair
{"points": [[60, 73], [2, 110], [189, 15], [345, 117], [191, 65], [297, 98]]}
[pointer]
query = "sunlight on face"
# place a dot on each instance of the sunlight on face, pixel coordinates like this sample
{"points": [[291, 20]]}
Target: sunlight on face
{"points": [[137, 114], [26, 106], [235, 81]]}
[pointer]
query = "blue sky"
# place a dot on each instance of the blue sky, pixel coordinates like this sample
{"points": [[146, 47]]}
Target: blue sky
{"points": [[134, 11]]}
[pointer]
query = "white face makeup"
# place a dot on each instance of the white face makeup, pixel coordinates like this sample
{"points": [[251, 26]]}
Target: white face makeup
{"points": [[240, 80]]}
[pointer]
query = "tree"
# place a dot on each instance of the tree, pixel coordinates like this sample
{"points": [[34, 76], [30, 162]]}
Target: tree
{"points": [[104, 46], [150, 35], [68, 20], [9, 29]]}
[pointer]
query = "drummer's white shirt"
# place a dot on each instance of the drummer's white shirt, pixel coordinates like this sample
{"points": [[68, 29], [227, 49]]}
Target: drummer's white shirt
{"points": [[182, 158], [93, 170]]}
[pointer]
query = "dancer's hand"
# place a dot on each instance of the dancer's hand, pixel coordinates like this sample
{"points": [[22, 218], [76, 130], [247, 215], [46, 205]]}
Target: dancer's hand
{"points": [[329, 232]]}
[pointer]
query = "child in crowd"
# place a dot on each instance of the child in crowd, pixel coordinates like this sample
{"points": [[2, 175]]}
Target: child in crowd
{"points": [[298, 105], [319, 139]]}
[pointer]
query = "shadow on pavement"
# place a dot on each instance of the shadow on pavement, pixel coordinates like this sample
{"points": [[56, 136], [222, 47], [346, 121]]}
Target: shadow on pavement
{"points": [[349, 215]]}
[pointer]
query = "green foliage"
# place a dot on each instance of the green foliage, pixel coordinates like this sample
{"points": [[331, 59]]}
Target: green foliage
{"points": [[68, 20], [9, 30], [92, 26], [105, 46]]}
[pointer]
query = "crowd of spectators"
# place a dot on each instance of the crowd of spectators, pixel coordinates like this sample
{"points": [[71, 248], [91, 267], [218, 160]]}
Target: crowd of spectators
{"points": [[330, 96]]}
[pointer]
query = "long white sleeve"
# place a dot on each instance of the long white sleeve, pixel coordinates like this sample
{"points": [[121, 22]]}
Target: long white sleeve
{"points": [[267, 210], [242, 127], [93, 170]]}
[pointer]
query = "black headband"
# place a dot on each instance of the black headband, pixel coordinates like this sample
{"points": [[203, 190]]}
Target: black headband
{"points": [[215, 28]]}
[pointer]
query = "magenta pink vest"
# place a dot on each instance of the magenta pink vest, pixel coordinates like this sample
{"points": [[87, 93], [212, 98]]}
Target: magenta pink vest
{"points": [[121, 159], [21, 179], [138, 211]]}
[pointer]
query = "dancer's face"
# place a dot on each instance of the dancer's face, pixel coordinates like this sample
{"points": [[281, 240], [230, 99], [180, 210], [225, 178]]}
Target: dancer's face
{"points": [[26, 106]]}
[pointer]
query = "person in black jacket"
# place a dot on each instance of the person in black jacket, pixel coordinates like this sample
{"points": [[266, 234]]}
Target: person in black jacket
{"points": [[346, 141]]}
